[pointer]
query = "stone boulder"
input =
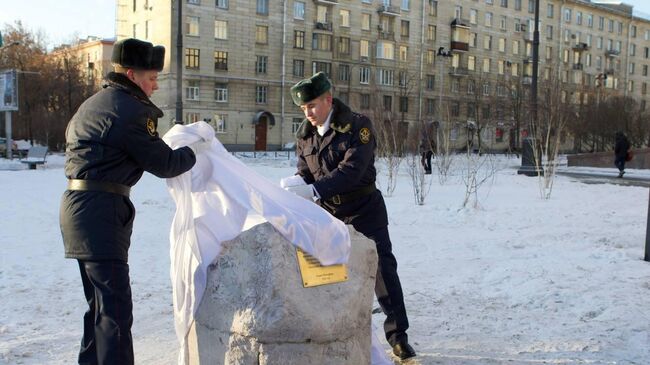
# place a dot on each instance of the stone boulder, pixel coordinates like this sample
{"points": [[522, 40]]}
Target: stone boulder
{"points": [[255, 310]]}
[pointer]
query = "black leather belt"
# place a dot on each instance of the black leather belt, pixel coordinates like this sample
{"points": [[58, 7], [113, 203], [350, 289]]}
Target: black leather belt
{"points": [[354, 195], [105, 186]]}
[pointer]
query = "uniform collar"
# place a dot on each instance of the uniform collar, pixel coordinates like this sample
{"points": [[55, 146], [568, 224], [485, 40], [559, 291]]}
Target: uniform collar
{"points": [[120, 81], [326, 126]]}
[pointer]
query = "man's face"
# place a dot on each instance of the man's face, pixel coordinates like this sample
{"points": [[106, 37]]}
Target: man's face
{"points": [[317, 110], [147, 80]]}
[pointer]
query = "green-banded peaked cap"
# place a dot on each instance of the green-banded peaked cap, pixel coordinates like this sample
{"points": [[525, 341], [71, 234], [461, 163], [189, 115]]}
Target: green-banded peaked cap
{"points": [[309, 89]]}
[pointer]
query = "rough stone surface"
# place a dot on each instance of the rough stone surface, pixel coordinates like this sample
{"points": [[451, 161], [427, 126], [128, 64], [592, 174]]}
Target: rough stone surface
{"points": [[255, 310]]}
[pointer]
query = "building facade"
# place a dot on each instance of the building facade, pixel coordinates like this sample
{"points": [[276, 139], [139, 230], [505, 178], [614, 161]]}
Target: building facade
{"points": [[94, 54], [410, 61]]}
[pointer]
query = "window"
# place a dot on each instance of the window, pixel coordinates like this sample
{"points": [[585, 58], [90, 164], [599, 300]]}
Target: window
{"points": [[549, 31], [458, 12], [364, 101], [345, 18], [261, 94], [261, 34], [486, 65], [567, 15], [515, 47], [192, 26], [403, 78], [364, 48], [385, 50], [322, 14], [471, 63], [486, 88], [299, 68], [263, 7], [531, 6], [192, 90], [295, 124], [406, 4], [298, 39], [433, 7], [322, 42], [601, 23], [220, 92], [579, 17], [473, 39], [431, 32], [473, 15], [365, 21], [455, 85], [344, 45], [192, 57], [385, 77], [471, 87], [504, 3], [344, 72], [488, 19], [324, 67], [220, 29], [404, 28], [220, 60], [260, 64], [430, 57], [549, 10], [298, 10], [403, 53], [223, 4], [219, 123], [503, 23], [388, 102], [502, 44], [517, 4], [191, 117], [487, 42], [403, 104], [455, 109], [364, 75], [430, 82], [590, 21], [430, 106]]}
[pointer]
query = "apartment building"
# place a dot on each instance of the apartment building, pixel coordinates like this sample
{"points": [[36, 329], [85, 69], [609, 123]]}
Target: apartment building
{"points": [[408, 60], [94, 53]]}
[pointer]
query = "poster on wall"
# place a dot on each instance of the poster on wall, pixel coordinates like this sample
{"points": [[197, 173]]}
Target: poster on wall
{"points": [[8, 91]]}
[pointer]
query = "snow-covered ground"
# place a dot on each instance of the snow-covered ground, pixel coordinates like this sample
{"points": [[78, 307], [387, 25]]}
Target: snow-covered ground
{"points": [[518, 281]]}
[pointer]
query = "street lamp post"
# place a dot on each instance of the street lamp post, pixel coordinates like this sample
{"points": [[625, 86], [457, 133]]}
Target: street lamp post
{"points": [[530, 161], [444, 54]]}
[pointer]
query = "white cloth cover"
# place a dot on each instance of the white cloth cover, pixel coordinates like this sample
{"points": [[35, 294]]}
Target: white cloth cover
{"points": [[218, 199]]}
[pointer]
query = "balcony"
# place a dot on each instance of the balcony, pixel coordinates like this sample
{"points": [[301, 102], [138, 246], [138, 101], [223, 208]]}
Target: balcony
{"points": [[326, 2], [612, 53], [609, 71], [388, 10], [578, 66], [323, 26], [459, 71], [389, 36], [459, 36], [581, 47]]}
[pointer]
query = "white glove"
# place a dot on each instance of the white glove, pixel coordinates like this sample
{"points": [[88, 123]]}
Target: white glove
{"points": [[200, 146], [294, 180], [305, 191]]}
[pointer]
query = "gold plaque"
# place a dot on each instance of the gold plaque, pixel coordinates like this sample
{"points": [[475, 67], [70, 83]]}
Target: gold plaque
{"points": [[314, 274]]}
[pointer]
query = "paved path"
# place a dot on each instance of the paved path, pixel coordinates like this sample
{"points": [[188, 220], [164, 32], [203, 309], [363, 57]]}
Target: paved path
{"points": [[588, 177]]}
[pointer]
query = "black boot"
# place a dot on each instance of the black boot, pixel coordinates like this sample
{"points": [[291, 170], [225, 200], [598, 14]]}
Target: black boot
{"points": [[403, 350]]}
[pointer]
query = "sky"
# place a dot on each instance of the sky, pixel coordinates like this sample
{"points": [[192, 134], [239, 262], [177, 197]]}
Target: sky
{"points": [[84, 18]]}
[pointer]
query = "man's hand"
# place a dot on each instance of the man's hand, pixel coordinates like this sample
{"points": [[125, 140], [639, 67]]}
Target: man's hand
{"points": [[305, 191]]}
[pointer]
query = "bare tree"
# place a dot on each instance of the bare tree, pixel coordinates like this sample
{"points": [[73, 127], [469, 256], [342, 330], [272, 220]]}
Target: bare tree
{"points": [[444, 148], [420, 181], [557, 107]]}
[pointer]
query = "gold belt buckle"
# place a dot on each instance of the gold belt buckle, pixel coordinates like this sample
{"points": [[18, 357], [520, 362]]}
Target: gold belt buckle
{"points": [[336, 199]]}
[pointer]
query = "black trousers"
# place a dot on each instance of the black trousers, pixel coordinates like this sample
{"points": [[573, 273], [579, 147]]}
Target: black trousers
{"points": [[619, 162], [388, 288], [107, 322], [426, 161]]}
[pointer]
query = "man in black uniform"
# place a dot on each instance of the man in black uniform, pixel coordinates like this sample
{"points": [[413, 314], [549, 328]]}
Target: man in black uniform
{"points": [[110, 141], [336, 156]]}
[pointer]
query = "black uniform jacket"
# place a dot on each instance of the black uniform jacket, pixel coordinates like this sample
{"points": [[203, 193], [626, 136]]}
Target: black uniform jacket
{"points": [[112, 138], [342, 162]]}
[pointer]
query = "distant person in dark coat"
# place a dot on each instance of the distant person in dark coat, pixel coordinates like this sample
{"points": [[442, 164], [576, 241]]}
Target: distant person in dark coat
{"points": [[621, 149], [110, 142], [426, 149], [336, 164]]}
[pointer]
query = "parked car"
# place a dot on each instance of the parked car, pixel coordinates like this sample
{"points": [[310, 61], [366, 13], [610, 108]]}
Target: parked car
{"points": [[3, 148]]}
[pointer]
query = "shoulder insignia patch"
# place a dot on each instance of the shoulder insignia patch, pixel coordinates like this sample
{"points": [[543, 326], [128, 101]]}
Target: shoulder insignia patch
{"points": [[344, 129], [151, 127], [364, 135]]}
